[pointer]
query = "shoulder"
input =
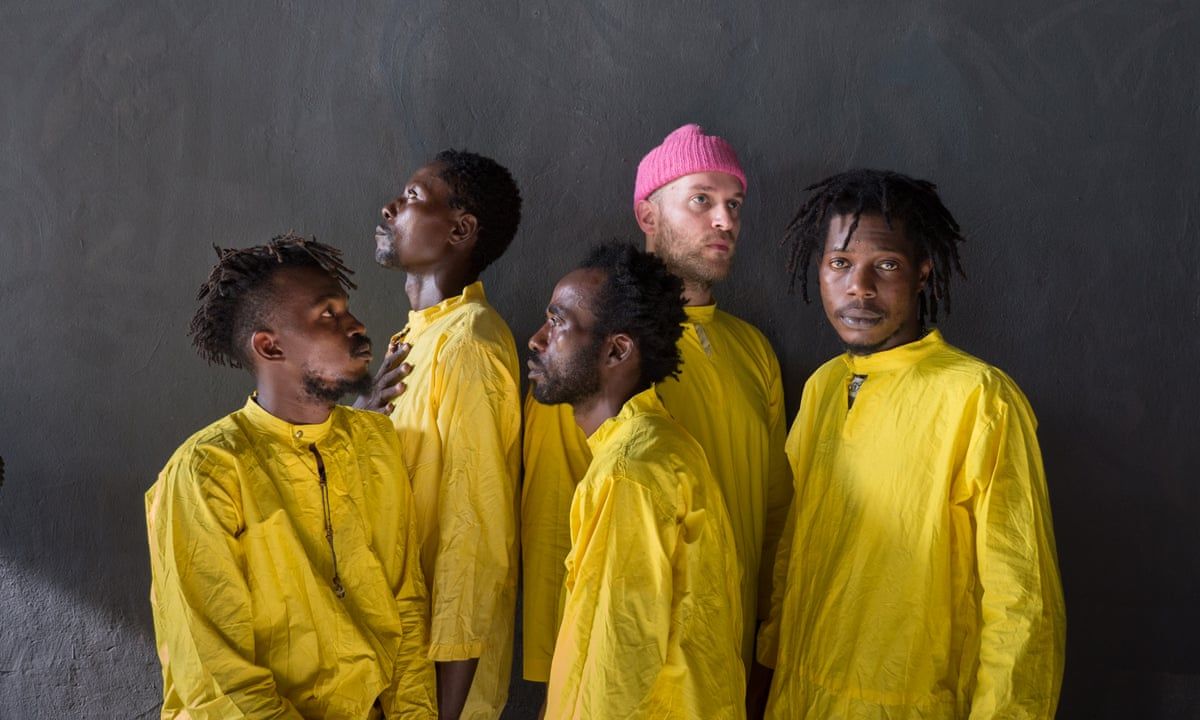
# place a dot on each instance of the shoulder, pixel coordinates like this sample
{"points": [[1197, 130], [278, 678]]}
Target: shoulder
{"points": [[217, 445], [749, 337], [477, 333], [652, 450], [961, 375]]}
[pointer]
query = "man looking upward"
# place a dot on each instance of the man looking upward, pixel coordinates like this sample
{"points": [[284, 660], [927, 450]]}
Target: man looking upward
{"points": [[284, 554], [651, 622], [728, 396], [459, 418], [918, 576]]}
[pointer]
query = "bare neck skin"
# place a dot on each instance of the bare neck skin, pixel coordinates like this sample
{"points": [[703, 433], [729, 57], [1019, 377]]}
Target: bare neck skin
{"points": [[426, 289], [288, 402]]}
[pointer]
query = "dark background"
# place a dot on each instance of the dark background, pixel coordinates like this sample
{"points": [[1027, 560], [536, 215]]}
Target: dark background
{"points": [[135, 135]]}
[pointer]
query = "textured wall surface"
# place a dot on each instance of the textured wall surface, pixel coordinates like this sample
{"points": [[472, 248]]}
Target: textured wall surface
{"points": [[134, 135]]}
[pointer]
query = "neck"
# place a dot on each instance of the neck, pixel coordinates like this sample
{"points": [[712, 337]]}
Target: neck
{"points": [[591, 413], [426, 289], [291, 404], [695, 293]]}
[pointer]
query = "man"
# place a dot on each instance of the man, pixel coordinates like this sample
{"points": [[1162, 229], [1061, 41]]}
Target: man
{"points": [[918, 576], [729, 395], [283, 544], [459, 418], [651, 622]]}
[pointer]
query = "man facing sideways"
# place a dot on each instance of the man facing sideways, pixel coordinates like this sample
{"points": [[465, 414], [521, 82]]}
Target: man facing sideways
{"points": [[728, 395], [286, 579], [459, 418], [651, 621], [918, 576]]}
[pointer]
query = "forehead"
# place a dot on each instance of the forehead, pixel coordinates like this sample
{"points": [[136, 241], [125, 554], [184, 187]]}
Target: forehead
{"points": [[718, 183], [576, 292], [430, 177], [871, 235], [303, 286]]}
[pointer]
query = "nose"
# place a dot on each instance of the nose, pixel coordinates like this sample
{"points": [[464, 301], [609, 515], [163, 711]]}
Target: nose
{"points": [[537, 343], [722, 218], [389, 211], [354, 326], [862, 281]]}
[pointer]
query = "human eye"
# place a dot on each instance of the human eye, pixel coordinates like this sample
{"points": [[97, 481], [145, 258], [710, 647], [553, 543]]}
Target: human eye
{"points": [[700, 199], [734, 204], [889, 265], [839, 263]]}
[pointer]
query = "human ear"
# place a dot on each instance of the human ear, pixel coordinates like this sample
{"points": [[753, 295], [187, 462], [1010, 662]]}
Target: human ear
{"points": [[620, 348], [646, 213], [265, 347], [926, 268], [465, 230]]}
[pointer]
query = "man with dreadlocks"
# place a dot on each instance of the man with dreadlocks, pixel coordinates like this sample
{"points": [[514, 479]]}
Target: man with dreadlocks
{"points": [[651, 622], [284, 555], [460, 417], [729, 394], [917, 576]]}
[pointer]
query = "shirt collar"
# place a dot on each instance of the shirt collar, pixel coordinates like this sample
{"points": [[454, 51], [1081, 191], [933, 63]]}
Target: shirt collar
{"points": [[700, 313], [647, 401], [896, 358], [298, 436], [418, 320]]}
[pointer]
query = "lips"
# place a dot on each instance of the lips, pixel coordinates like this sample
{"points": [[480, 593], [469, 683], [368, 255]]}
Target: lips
{"points": [[535, 369], [860, 317], [362, 350]]}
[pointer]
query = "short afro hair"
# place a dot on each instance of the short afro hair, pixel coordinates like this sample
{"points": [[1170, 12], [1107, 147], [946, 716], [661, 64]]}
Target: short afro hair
{"points": [[642, 299], [487, 190], [235, 299]]}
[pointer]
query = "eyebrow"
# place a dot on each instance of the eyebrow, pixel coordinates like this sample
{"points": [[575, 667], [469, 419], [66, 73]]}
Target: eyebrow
{"points": [[710, 188], [326, 297], [554, 309]]}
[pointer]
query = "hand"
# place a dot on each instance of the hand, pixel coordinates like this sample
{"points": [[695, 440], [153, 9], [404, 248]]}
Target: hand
{"points": [[389, 381]]}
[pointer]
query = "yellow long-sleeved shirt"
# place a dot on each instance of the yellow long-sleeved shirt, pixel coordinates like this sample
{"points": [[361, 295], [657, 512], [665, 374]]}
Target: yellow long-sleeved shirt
{"points": [[918, 576], [652, 618], [729, 397], [246, 618], [459, 421]]}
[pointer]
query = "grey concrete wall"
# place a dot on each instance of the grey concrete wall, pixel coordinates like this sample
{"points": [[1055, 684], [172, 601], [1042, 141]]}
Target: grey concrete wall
{"points": [[135, 135]]}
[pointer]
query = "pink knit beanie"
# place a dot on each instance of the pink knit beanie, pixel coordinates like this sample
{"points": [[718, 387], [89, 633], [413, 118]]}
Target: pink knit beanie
{"points": [[687, 150]]}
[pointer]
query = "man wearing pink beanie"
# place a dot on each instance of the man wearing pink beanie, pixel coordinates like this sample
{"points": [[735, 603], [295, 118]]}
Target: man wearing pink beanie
{"points": [[687, 200]]}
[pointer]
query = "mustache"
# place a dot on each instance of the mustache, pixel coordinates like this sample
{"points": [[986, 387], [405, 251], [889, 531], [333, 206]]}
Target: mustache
{"points": [[864, 307]]}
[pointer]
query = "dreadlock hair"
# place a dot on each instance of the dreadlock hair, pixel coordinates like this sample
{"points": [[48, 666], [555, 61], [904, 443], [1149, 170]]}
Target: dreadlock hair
{"points": [[930, 227], [486, 189], [642, 299], [234, 300]]}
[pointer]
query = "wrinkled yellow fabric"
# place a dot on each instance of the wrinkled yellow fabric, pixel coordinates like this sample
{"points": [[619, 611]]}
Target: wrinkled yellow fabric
{"points": [[729, 396], [652, 618], [459, 422], [245, 616], [918, 577], [557, 456]]}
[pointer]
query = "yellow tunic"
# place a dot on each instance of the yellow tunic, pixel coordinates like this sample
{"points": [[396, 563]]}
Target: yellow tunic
{"points": [[459, 423], [918, 577], [652, 617], [730, 398], [245, 615]]}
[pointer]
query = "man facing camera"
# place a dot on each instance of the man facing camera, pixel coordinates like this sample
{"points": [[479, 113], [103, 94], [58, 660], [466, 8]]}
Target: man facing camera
{"points": [[651, 622], [917, 577], [286, 577]]}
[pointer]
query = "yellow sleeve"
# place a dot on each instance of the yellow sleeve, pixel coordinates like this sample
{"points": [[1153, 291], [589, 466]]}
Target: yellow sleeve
{"points": [[413, 692], [768, 633], [556, 457], [1023, 635], [618, 619], [199, 593], [779, 491], [480, 425]]}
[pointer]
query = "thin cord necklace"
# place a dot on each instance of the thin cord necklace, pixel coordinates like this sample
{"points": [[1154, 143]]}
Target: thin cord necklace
{"points": [[337, 581]]}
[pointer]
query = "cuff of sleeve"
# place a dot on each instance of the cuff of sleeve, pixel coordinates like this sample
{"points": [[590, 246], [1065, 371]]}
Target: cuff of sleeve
{"points": [[449, 652]]}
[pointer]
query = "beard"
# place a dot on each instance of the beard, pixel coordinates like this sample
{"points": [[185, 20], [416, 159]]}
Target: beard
{"points": [[330, 391], [576, 380], [386, 254], [689, 266]]}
